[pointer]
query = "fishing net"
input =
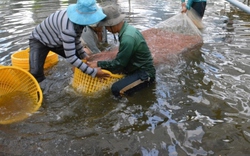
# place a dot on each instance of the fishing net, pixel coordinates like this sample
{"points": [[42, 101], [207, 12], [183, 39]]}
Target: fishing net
{"points": [[179, 24], [175, 35], [195, 18]]}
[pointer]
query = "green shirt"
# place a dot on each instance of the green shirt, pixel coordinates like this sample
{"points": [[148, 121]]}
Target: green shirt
{"points": [[133, 55]]}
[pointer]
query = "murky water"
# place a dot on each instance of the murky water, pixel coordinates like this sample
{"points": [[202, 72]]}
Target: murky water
{"points": [[199, 105]]}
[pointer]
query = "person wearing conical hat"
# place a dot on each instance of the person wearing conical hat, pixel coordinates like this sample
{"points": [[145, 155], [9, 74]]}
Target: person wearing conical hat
{"points": [[61, 32], [133, 58]]}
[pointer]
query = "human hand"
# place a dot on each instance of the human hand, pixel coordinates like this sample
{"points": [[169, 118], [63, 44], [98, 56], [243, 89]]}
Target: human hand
{"points": [[87, 50], [92, 64], [102, 74], [86, 58], [184, 8]]}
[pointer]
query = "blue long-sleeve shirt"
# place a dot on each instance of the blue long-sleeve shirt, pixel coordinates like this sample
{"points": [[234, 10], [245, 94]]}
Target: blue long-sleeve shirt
{"points": [[190, 2]]}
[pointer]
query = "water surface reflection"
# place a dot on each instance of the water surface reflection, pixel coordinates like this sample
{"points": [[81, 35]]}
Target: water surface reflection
{"points": [[199, 104]]}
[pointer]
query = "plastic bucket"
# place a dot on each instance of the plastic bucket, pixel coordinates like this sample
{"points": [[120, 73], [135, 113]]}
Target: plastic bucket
{"points": [[20, 94], [86, 84], [21, 59]]}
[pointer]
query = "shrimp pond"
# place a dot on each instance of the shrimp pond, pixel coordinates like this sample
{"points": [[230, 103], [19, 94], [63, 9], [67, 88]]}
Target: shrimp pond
{"points": [[198, 106]]}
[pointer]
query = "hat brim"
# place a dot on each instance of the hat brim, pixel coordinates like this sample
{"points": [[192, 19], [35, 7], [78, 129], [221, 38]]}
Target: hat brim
{"points": [[112, 22], [84, 19]]}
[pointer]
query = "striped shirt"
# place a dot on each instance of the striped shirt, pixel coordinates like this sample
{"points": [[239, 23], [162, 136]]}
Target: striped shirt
{"points": [[57, 30]]}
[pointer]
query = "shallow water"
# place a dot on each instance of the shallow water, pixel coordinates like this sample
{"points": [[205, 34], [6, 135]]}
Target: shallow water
{"points": [[199, 104]]}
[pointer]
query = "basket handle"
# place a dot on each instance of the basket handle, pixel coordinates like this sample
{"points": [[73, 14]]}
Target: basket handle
{"points": [[40, 96], [113, 75], [118, 76]]}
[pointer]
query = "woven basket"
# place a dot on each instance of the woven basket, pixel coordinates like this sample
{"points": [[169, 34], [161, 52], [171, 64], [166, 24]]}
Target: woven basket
{"points": [[21, 59], [20, 94], [86, 84]]}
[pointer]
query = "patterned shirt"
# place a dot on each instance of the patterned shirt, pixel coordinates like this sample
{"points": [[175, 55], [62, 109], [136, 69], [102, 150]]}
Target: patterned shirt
{"points": [[56, 31]]}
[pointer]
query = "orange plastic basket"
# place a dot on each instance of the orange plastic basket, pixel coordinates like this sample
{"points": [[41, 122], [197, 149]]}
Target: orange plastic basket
{"points": [[20, 94], [21, 59], [86, 84]]}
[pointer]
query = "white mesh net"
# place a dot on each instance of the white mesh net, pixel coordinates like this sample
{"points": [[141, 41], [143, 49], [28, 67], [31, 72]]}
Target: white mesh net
{"points": [[180, 23], [175, 35]]}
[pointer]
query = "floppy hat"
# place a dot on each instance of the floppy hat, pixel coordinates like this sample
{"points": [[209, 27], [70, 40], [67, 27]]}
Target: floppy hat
{"points": [[113, 16], [85, 12]]}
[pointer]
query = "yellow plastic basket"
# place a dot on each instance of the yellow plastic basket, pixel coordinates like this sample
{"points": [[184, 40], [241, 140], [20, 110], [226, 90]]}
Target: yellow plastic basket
{"points": [[20, 94], [21, 59], [86, 84]]}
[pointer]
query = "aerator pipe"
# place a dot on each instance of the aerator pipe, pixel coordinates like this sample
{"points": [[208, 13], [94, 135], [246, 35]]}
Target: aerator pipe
{"points": [[240, 5]]}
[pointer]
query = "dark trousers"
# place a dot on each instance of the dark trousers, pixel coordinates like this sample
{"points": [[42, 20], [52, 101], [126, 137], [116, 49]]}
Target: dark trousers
{"points": [[200, 8], [131, 84], [37, 56]]}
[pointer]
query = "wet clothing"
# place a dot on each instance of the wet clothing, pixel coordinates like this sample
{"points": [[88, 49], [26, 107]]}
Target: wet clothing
{"points": [[198, 5], [134, 59], [90, 39], [58, 34], [133, 55], [131, 83]]}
